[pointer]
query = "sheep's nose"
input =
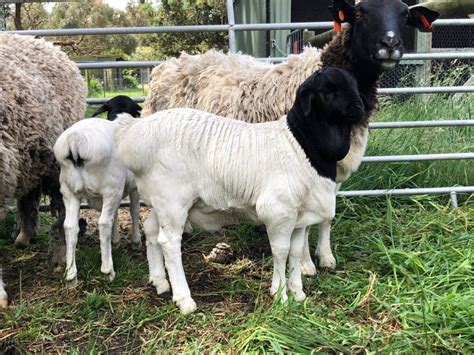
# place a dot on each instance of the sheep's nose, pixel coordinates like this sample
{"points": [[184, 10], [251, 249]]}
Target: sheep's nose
{"points": [[390, 42], [390, 49]]}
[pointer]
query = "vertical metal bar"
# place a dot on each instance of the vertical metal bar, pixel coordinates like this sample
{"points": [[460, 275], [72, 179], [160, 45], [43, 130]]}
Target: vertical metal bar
{"points": [[454, 199], [231, 20], [267, 33]]}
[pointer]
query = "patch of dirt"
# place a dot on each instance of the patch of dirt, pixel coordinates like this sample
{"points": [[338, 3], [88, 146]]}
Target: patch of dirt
{"points": [[91, 217]]}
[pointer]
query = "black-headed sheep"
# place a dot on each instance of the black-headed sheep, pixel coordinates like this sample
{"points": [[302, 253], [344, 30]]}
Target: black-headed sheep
{"points": [[240, 87], [216, 171], [119, 104], [41, 94]]}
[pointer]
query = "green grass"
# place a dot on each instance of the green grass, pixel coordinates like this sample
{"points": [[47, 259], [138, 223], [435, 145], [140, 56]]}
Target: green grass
{"points": [[404, 283], [418, 141]]}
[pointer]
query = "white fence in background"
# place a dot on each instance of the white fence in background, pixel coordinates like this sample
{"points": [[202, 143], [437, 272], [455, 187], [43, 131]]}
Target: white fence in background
{"points": [[232, 27]]}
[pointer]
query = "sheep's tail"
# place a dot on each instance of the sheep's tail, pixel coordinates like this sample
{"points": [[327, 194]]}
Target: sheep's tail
{"points": [[74, 148], [73, 141]]}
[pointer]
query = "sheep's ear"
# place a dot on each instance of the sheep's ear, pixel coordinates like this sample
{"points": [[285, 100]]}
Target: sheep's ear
{"points": [[138, 107], [101, 109], [341, 12], [307, 101], [422, 18]]}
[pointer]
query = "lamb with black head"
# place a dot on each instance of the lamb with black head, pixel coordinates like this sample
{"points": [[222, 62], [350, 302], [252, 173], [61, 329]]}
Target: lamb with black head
{"points": [[216, 171], [240, 87], [119, 104]]}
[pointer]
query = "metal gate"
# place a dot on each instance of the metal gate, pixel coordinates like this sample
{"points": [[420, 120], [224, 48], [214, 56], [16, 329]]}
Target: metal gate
{"points": [[232, 27]]}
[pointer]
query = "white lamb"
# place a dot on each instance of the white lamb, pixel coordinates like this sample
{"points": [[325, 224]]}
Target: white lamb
{"points": [[90, 169], [218, 171]]}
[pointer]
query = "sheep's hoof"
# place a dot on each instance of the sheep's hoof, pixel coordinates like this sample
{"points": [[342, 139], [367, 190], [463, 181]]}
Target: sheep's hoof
{"points": [[3, 302], [188, 229], [21, 241], [299, 295], [163, 287], [308, 268], [275, 293], [136, 245], [327, 261], [109, 276], [186, 305], [116, 242], [72, 283], [58, 258]]}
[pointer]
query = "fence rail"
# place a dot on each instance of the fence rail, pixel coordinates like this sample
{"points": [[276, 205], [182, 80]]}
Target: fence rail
{"points": [[232, 27], [206, 28], [151, 64], [382, 91]]}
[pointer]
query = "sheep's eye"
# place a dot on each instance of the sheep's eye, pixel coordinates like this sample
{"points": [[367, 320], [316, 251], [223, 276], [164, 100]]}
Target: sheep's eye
{"points": [[360, 12], [406, 14], [328, 96]]}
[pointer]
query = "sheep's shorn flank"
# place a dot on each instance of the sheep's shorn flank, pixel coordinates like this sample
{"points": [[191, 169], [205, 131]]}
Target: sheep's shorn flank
{"points": [[238, 86], [41, 94], [218, 171]]}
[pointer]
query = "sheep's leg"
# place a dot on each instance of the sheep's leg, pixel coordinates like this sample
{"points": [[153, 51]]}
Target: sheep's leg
{"points": [[27, 217], [307, 265], [154, 255], [171, 225], [3, 294], [295, 283], [57, 244], [280, 241], [135, 214], [323, 250], [109, 208], [188, 228], [115, 230], [71, 230]]}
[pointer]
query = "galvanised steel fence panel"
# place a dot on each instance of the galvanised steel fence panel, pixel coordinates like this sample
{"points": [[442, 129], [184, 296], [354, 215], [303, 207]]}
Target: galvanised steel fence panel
{"points": [[231, 27]]}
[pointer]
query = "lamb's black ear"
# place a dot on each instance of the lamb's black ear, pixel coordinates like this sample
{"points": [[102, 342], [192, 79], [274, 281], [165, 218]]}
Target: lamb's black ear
{"points": [[341, 12], [101, 109], [307, 98], [422, 18], [138, 108]]}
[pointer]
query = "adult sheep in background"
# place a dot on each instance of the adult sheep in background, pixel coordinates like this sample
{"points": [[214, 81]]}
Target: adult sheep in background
{"points": [[240, 87], [216, 171], [41, 94]]}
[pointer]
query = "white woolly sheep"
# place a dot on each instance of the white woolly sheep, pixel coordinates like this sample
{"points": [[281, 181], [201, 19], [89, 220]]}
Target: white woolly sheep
{"points": [[218, 171], [238, 86], [41, 94], [90, 169]]}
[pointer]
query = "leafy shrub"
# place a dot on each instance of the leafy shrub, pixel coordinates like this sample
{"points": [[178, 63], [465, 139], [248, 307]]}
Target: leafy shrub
{"points": [[95, 87], [130, 81]]}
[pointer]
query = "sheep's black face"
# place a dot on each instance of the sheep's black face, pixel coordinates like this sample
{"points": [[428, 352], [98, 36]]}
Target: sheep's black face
{"points": [[377, 32], [376, 28], [326, 107], [331, 95]]}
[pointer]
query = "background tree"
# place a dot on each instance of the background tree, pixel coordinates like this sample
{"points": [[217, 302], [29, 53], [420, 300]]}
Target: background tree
{"points": [[87, 15], [189, 12]]}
